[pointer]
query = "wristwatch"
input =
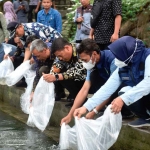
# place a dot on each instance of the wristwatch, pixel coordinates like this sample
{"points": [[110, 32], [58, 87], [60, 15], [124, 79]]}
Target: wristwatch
{"points": [[96, 112], [56, 76]]}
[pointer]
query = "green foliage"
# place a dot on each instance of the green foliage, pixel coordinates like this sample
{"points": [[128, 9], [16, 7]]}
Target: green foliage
{"points": [[130, 8]]}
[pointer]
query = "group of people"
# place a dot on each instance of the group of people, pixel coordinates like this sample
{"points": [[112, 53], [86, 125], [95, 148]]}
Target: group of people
{"points": [[114, 69]]}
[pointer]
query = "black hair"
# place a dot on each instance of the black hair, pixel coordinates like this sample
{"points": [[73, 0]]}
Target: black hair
{"points": [[58, 44], [30, 39], [88, 46]]}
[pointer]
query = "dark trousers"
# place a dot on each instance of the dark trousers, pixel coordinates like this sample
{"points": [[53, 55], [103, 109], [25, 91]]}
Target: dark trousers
{"points": [[97, 82], [103, 46], [18, 61], [72, 86], [140, 107], [30, 13]]}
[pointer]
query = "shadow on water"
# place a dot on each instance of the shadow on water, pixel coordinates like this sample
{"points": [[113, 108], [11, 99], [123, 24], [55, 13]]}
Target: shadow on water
{"points": [[14, 135]]}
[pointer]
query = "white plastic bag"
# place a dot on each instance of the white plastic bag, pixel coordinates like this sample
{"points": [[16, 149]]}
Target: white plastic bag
{"points": [[99, 134], [25, 97], [6, 67], [68, 139], [42, 105], [18, 73]]}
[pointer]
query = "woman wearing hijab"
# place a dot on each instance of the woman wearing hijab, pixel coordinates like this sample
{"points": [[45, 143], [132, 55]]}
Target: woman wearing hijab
{"points": [[9, 12], [132, 59]]}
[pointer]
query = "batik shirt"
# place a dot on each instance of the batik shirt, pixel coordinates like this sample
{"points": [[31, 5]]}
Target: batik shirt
{"points": [[72, 69], [44, 32]]}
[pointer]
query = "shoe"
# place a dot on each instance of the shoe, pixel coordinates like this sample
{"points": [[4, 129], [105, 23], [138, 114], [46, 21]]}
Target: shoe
{"points": [[21, 84], [58, 97], [127, 114], [70, 104], [69, 98], [139, 123]]}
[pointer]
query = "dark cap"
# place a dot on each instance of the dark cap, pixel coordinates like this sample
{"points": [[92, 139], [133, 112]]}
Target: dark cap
{"points": [[11, 27]]}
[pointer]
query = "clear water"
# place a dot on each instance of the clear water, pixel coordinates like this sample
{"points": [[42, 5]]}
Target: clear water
{"points": [[14, 135]]}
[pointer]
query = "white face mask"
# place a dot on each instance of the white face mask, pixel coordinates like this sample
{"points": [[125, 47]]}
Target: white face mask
{"points": [[122, 64], [89, 65], [119, 63]]}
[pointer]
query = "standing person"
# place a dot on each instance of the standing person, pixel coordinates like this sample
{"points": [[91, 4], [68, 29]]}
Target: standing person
{"points": [[21, 8], [9, 12], [82, 19], [107, 27], [132, 59], [4, 36], [33, 5], [49, 16]]}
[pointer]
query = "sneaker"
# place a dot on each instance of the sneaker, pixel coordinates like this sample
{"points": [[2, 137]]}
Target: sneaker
{"points": [[139, 123], [21, 84], [60, 96], [69, 98]]}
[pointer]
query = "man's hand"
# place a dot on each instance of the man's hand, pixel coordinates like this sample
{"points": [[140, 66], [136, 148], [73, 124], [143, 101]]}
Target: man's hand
{"points": [[31, 96], [6, 56], [117, 105], [31, 61], [114, 37], [56, 70], [49, 77], [66, 119], [90, 115], [79, 112], [80, 19], [36, 10]]}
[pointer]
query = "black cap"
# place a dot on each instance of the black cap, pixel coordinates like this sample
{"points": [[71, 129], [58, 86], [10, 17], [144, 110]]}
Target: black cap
{"points": [[11, 27]]}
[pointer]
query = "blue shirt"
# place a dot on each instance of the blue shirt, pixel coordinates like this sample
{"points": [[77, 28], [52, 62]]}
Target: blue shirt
{"points": [[52, 19], [131, 94]]}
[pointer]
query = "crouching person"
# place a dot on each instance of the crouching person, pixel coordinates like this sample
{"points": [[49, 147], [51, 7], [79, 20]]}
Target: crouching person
{"points": [[71, 71], [132, 59], [44, 60]]}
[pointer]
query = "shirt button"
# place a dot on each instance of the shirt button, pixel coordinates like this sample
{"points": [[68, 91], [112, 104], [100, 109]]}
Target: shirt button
{"points": [[129, 103]]}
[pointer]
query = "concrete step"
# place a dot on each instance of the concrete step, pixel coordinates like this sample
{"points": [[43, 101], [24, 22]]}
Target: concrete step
{"points": [[129, 138]]}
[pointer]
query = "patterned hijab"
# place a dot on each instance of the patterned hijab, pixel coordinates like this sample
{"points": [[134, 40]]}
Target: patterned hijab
{"points": [[9, 12]]}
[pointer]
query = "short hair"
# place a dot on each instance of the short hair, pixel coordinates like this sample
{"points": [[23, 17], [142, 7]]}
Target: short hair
{"points": [[30, 39], [88, 46], [38, 44], [58, 44]]}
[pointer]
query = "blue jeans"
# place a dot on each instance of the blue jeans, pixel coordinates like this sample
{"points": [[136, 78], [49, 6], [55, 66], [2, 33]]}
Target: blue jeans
{"points": [[2, 53]]}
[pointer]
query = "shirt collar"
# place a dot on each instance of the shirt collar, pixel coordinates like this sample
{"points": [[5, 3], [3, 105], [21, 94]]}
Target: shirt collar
{"points": [[49, 12]]}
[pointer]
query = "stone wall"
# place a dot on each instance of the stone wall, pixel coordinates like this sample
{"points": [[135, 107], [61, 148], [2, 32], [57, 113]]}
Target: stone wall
{"points": [[129, 138]]}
